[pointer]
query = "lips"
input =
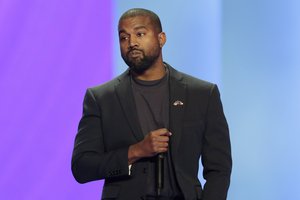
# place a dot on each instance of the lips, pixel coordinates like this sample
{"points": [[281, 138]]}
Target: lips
{"points": [[135, 53]]}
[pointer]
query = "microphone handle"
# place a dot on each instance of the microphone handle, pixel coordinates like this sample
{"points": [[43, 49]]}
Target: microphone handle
{"points": [[159, 173]]}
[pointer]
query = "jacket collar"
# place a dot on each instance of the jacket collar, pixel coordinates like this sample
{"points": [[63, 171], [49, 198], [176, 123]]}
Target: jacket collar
{"points": [[177, 89], [174, 74]]}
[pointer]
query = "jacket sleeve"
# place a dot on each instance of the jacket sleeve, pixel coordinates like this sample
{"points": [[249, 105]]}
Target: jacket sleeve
{"points": [[216, 153], [90, 160]]}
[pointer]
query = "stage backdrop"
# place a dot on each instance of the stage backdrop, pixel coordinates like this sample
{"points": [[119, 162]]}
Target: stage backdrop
{"points": [[51, 51]]}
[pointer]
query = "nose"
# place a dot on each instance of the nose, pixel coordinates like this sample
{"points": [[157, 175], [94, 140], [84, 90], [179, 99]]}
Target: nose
{"points": [[133, 42]]}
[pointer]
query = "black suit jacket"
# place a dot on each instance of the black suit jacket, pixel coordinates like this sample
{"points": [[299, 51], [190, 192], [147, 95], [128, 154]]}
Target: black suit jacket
{"points": [[109, 125]]}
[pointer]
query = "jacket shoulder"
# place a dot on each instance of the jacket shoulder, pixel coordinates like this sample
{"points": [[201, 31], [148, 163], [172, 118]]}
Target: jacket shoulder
{"points": [[196, 83], [108, 87], [189, 80]]}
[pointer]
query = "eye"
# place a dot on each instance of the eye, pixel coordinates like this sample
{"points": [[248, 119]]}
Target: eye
{"points": [[140, 34], [123, 37]]}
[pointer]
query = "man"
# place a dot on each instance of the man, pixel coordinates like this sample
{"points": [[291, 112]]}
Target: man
{"points": [[152, 121]]}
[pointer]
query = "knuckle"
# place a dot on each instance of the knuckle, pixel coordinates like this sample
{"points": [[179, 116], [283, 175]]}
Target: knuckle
{"points": [[152, 135]]}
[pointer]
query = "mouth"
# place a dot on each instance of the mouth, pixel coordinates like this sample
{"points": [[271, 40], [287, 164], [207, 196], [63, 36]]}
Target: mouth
{"points": [[134, 53]]}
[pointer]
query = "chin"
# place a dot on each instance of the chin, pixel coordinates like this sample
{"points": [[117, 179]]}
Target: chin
{"points": [[139, 69]]}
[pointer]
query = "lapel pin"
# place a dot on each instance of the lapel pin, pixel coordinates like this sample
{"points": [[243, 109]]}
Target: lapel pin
{"points": [[178, 103]]}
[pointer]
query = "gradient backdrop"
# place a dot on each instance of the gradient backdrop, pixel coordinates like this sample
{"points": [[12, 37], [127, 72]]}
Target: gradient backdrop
{"points": [[51, 51]]}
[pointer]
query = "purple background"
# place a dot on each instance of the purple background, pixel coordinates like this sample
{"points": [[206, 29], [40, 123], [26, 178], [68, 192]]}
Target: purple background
{"points": [[50, 52]]}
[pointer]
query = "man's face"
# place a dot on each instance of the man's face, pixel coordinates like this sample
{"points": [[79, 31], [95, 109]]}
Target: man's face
{"points": [[139, 43]]}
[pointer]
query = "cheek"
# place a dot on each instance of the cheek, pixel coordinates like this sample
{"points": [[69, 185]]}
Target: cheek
{"points": [[155, 48], [123, 49]]}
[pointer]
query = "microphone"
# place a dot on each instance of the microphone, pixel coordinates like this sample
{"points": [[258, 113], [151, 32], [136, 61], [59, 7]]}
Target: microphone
{"points": [[159, 173]]}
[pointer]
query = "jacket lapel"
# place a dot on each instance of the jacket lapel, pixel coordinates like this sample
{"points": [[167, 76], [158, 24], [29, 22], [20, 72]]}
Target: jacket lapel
{"points": [[177, 94], [177, 106], [125, 96]]}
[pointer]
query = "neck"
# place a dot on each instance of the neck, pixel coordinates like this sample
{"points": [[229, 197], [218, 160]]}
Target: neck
{"points": [[155, 72]]}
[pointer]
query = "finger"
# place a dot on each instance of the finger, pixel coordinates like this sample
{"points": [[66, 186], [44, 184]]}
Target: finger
{"points": [[161, 131], [159, 138], [162, 139], [162, 150], [160, 145], [163, 145], [168, 133]]}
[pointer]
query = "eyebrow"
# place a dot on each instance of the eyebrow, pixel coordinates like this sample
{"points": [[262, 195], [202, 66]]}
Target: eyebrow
{"points": [[135, 28], [140, 27]]}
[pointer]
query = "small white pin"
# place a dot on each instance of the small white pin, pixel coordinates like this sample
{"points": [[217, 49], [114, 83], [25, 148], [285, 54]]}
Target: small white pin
{"points": [[178, 103]]}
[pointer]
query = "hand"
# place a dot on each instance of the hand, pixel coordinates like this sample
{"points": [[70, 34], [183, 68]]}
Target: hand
{"points": [[155, 142]]}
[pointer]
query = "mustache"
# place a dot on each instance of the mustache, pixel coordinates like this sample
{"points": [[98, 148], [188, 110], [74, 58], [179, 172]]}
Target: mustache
{"points": [[134, 49]]}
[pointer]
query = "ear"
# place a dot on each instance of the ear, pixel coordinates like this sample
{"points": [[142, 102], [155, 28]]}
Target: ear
{"points": [[162, 39]]}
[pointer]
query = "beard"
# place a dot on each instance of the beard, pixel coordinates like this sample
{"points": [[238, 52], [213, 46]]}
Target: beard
{"points": [[139, 64]]}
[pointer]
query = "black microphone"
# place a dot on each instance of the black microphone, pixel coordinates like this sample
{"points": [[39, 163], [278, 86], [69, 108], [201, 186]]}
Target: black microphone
{"points": [[159, 173]]}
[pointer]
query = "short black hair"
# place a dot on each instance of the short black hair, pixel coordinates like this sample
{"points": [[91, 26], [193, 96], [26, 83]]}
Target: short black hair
{"points": [[143, 12]]}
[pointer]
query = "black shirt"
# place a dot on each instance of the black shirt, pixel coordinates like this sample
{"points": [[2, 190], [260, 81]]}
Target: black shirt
{"points": [[152, 103]]}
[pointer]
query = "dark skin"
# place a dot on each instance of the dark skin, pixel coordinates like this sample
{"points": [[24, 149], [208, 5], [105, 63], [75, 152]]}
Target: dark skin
{"points": [[139, 38], [140, 34]]}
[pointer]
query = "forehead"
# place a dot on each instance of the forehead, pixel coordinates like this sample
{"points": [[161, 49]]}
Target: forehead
{"points": [[130, 23]]}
